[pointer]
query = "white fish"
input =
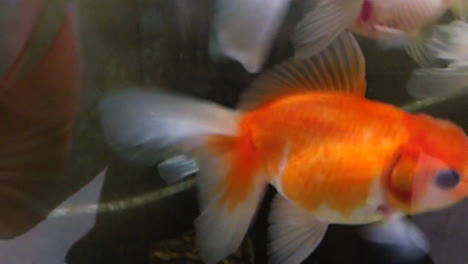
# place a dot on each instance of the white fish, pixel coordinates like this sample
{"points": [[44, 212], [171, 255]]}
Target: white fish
{"points": [[392, 22]]}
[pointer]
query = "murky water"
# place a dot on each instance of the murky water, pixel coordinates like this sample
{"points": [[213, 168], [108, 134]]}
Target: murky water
{"points": [[164, 43]]}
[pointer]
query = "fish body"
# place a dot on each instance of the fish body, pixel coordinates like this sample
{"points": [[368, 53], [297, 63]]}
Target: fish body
{"points": [[313, 153], [382, 19], [335, 157], [304, 127]]}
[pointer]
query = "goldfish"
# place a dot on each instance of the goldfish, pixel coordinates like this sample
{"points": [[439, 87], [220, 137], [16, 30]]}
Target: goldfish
{"points": [[442, 54], [39, 101], [304, 127], [395, 23]]}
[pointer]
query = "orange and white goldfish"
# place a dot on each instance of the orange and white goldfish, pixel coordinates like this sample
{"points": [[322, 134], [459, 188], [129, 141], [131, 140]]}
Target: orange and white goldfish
{"points": [[304, 127], [442, 53], [39, 100], [392, 22]]}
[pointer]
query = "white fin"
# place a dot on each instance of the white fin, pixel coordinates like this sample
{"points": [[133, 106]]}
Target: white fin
{"points": [[142, 125], [177, 168], [227, 206], [400, 42], [323, 24], [219, 230], [434, 82], [399, 234], [450, 42], [294, 233], [420, 52], [244, 30], [446, 43], [340, 67]]}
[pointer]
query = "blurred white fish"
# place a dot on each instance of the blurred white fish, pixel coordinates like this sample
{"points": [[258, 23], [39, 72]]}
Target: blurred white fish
{"points": [[393, 22]]}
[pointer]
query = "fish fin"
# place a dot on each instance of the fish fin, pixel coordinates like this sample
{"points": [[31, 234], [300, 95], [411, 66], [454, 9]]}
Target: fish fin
{"points": [[340, 67], [441, 45], [177, 168], [231, 184], [322, 24], [225, 216], [394, 44], [434, 82], [460, 9], [419, 50], [400, 235], [294, 233], [391, 38], [142, 126], [449, 42], [244, 30]]}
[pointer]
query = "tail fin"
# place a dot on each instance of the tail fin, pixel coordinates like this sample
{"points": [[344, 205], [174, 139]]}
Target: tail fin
{"points": [[145, 125]]}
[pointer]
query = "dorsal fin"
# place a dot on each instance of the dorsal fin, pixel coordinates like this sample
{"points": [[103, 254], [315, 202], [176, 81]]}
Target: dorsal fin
{"points": [[340, 68]]}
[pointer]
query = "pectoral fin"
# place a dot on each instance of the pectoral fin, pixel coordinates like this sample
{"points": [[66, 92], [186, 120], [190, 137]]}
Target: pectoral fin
{"points": [[294, 233], [399, 235]]}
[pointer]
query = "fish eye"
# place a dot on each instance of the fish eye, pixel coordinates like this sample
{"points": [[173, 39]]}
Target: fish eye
{"points": [[447, 179]]}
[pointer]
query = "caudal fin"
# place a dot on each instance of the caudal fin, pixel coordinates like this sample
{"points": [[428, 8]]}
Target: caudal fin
{"points": [[144, 125]]}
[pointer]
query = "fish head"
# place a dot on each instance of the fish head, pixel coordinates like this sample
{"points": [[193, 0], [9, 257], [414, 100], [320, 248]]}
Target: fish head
{"points": [[431, 170]]}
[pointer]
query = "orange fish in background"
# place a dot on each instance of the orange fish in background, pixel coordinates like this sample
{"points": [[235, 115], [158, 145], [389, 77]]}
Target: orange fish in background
{"points": [[39, 96], [17, 20], [305, 127]]}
